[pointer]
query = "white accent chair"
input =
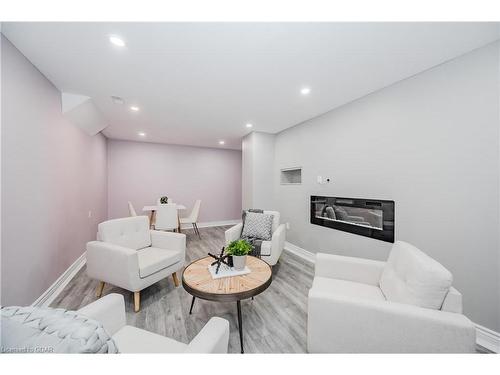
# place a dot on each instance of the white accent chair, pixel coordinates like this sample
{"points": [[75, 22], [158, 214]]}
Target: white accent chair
{"points": [[167, 217], [193, 217], [110, 311], [270, 250], [132, 256], [131, 209], [404, 305]]}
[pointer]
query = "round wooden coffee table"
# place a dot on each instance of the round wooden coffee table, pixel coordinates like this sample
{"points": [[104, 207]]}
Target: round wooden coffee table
{"points": [[198, 282]]}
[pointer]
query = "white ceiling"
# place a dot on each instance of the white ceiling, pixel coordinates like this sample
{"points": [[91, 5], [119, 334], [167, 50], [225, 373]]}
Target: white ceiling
{"points": [[197, 83]]}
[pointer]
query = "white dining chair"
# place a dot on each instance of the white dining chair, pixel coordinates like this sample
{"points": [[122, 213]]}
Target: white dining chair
{"points": [[166, 217], [193, 217], [131, 209]]}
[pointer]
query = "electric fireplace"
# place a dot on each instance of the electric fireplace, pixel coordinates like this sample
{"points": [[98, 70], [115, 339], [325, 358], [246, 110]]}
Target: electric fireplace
{"points": [[366, 217]]}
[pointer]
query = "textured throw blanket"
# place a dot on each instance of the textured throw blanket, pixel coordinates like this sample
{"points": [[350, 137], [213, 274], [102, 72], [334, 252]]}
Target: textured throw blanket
{"points": [[45, 330], [255, 242]]}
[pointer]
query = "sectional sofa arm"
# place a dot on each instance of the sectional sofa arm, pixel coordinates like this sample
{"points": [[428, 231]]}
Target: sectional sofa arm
{"points": [[168, 240], [111, 263], [109, 310], [213, 338], [341, 324], [233, 233], [359, 270]]}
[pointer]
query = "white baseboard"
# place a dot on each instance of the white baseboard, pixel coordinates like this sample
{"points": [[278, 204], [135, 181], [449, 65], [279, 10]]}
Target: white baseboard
{"points": [[488, 338], [209, 224], [300, 252], [485, 337], [53, 291]]}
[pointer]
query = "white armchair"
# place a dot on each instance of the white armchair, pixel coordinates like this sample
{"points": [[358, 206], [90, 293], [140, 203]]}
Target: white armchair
{"points": [[270, 250], [406, 304], [132, 256], [110, 311]]}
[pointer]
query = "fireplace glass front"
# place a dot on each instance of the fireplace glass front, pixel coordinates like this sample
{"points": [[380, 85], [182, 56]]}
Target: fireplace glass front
{"points": [[366, 217]]}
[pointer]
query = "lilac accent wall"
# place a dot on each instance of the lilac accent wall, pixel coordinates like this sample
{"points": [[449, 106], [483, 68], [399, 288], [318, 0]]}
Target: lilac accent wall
{"points": [[53, 175], [142, 172]]}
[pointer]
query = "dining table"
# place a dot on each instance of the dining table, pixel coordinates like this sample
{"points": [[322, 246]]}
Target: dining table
{"points": [[152, 213]]}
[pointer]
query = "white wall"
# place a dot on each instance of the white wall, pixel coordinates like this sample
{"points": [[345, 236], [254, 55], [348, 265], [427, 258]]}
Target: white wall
{"points": [[53, 174], [258, 173], [431, 144], [141, 172]]}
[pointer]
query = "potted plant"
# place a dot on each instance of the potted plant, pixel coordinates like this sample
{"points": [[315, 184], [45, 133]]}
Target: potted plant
{"points": [[238, 250], [163, 200]]}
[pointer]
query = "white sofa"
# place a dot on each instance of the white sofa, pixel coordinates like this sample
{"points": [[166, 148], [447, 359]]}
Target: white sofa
{"points": [[270, 250], [110, 311], [406, 304], [132, 256]]}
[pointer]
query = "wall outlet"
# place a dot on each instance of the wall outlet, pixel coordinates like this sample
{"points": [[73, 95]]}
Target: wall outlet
{"points": [[323, 180]]}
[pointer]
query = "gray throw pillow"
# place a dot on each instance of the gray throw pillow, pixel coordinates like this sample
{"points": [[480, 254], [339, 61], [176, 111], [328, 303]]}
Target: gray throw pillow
{"points": [[45, 330], [257, 226]]}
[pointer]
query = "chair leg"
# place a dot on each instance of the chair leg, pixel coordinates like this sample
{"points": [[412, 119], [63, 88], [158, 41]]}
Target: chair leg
{"points": [[176, 280], [197, 230], [137, 301], [100, 287]]}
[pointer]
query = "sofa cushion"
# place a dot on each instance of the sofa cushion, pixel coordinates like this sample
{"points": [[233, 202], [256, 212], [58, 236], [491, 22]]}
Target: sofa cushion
{"points": [[46, 330], [154, 259], [413, 277], [258, 226], [134, 340], [130, 232], [349, 289]]}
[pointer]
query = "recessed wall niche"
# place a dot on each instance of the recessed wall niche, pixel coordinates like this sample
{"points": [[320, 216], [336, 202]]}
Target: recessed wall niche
{"points": [[291, 176]]}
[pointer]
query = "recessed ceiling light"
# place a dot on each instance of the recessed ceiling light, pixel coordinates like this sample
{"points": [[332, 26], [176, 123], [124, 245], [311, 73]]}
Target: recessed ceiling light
{"points": [[221, 142], [141, 134], [134, 108], [305, 91], [248, 125], [117, 41]]}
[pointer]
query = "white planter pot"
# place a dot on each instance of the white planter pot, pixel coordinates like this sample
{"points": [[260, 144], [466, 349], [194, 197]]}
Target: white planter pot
{"points": [[239, 262]]}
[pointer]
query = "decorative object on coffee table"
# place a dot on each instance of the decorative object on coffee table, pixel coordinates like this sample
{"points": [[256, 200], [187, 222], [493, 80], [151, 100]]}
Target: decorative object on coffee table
{"points": [[197, 281], [221, 259], [239, 250]]}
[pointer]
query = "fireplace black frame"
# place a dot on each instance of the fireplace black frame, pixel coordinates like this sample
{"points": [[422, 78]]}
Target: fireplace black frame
{"points": [[386, 206]]}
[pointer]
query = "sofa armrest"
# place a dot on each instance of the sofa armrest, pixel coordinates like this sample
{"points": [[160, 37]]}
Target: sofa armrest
{"points": [[113, 264], [109, 310], [168, 240], [213, 337], [355, 325], [359, 270], [233, 233]]}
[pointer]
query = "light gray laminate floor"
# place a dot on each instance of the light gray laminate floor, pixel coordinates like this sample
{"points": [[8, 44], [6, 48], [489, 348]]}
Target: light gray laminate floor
{"points": [[274, 322]]}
